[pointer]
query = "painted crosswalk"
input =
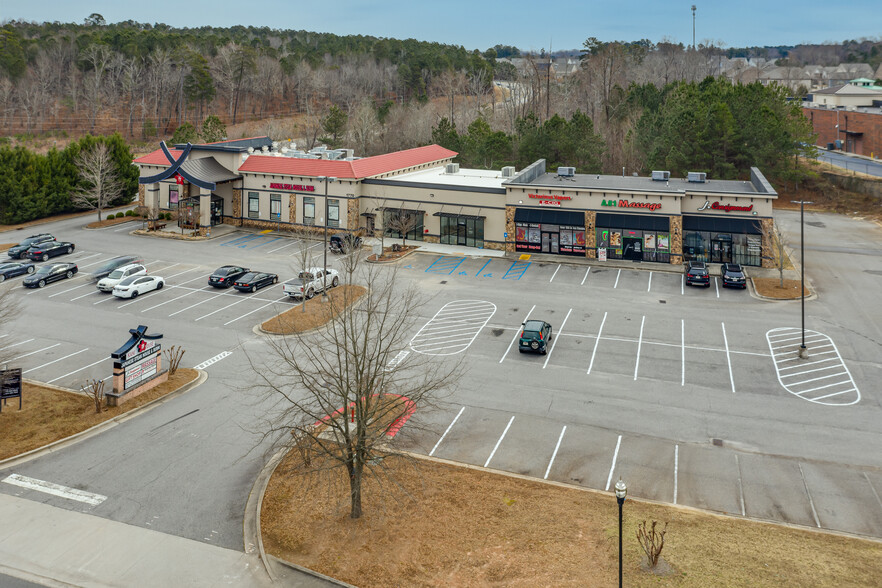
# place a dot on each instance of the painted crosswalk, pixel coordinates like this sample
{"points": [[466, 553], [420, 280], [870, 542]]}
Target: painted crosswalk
{"points": [[453, 328], [822, 378]]}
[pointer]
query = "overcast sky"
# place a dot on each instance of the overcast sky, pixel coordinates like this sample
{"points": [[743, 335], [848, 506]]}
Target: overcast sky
{"points": [[482, 24]]}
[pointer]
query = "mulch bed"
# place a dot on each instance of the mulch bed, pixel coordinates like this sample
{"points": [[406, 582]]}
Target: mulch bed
{"points": [[109, 222], [314, 313], [390, 255], [771, 288]]}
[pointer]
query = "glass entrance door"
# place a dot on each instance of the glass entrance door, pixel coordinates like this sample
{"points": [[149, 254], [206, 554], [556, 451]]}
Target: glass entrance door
{"points": [[632, 249], [550, 242], [721, 251], [217, 211], [461, 231]]}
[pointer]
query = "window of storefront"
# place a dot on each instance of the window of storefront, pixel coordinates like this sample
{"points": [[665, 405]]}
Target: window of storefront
{"points": [[308, 210], [550, 231], [333, 213], [467, 231], [634, 237], [253, 205], [401, 220], [173, 197], [275, 207], [722, 240]]}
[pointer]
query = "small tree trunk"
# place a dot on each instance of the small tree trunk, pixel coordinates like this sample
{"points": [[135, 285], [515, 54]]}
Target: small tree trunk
{"points": [[355, 472], [99, 215]]}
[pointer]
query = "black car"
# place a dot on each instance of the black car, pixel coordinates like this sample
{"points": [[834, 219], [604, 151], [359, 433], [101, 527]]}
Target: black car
{"points": [[10, 270], [734, 276], [108, 266], [344, 243], [225, 276], [43, 251], [535, 337], [696, 273], [20, 251], [253, 281], [49, 273]]}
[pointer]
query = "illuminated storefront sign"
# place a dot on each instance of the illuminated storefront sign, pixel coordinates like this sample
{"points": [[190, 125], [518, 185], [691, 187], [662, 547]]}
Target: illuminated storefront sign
{"points": [[297, 187], [550, 197], [651, 206], [725, 207]]}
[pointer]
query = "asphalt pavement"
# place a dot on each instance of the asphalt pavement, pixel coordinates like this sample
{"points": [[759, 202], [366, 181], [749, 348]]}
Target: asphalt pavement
{"points": [[849, 162]]}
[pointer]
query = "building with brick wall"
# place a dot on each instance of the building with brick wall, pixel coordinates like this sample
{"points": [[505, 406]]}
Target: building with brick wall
{"points": [[251, 182], [857, 130]]}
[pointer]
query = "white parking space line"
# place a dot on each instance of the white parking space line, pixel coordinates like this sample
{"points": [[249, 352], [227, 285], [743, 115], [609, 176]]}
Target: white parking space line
{"points": [[195, 304], [283, 246], [55, 489], [740, 486], [554, 274], [282, 299], [33, 352], [54, 361], [492, 453], [676, 464], [873, 488], [618, 275], [15, 344], [517, 334], [682, 284], [612, 468], [399, 357], [243, 299], [204, 288], [728, 358], [458, 321], [682, 352], [717, 286], [94, 263], [586, 276], [554, 343], [79, 259], [649, 285], [70, 289], [596, 342], [450, 426], [553, 455], [77, 370], [96, 291], [809, 494], [639, 346], [212, 360]]}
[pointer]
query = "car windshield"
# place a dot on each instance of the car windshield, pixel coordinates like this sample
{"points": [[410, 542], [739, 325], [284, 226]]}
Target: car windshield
{"points": [[530, 335], [113, 264], [4, 266], [116, 274], [128, 281], [248, 277], [304, 276], [224, 271], [45, 269]]}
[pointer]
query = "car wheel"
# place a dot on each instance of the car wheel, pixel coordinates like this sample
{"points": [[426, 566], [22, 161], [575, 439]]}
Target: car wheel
{"points": [[31, 269], [276, 280], [2, 277], [335, 282], [41, 283], [253, 289], [160, 285], [309, 294], [534, 345], [69, 274], [70, 250], [45, 257], [134, 293], [544, 351]]}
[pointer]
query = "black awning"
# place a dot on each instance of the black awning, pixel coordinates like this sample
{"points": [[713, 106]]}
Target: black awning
{"points": [[402, 210], [716, 224], [454, 215], [550, 217], [214, 197], [636, 222], [368, 214]]}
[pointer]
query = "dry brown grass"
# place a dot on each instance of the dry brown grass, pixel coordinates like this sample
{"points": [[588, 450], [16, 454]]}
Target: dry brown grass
{"points": [[471, 527], [771, 288], [5, 246], [48, 415], [316, 314]]}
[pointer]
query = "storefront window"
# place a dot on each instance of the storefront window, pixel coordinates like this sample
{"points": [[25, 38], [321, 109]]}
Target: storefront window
{"points": [[253, 205], [173, 197], [696, 245], [275, 207], [308, 210], [398, 220], [333, 213], [462, 230], [528, 237]]}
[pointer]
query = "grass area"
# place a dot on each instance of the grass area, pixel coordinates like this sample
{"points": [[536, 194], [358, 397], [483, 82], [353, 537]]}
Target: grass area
{"points": [[6, 246], [314, 313], [49, 414], [771, 287], [464, 526], [58, 217]]}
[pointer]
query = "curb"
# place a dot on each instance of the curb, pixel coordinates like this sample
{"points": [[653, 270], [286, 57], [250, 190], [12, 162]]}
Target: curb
{"points": [[259, 330], [100, 427], [88, 228], [254, 536], [388, 261]]}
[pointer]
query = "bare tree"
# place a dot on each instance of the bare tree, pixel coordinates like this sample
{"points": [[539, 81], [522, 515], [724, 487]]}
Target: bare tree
{"points": [[94, 389], [773, 247], [304, 256], [174, 355], [102, 183], [651, 541], [402, 222], [342, 388]]}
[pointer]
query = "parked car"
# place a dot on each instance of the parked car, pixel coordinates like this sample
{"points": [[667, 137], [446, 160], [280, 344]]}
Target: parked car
{"points": [[253, 281], [134, 285], [10, 270], [535, 336], [696, 273], [226, 275], [21, 250], [119, 274], [43, 251], [49, 273], [108, 266], [310, 281], [734, 276], [344, 243]]}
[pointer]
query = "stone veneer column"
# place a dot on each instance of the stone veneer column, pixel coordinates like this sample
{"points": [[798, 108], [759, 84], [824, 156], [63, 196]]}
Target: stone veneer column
{"points": [[292, 208], [510, 229], [352, 211], [141, 189], [236, 213], [768, 228], [590, 235], [676, 235]]}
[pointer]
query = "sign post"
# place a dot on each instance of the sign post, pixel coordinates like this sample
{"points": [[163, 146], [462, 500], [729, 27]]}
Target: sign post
{"points": [[11, 386]]}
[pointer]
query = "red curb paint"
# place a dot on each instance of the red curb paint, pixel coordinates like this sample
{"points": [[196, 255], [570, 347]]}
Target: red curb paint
{"points": [[394, 428]]}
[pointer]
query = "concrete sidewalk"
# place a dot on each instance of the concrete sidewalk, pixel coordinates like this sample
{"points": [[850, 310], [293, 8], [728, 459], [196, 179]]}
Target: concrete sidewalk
{"points": [[56, 547]]}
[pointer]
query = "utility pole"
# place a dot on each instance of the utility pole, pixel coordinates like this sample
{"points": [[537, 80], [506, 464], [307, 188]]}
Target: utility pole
{"points": [[693, 27]]}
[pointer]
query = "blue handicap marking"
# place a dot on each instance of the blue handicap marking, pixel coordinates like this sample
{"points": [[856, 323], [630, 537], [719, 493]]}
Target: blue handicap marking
{"points": [[266, 242], [486, 263], [408, 267], [445, 265], [487, 275], [517, 270], [463, 273], [237, 240]]}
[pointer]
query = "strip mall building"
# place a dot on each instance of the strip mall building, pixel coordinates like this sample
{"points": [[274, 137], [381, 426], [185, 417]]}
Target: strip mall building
{"points": [[659, 219]]}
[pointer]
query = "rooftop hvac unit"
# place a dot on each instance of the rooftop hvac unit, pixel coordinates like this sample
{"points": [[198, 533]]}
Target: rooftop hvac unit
{"points": [[508, 171], [318, 149], [452, 168], [661, 176], [697, 177], [349, 153], [566, 172]]}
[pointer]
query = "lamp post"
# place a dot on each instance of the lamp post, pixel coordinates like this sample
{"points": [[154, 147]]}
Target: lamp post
{"points": [[803, 351], [621, 492], [327, 180]]}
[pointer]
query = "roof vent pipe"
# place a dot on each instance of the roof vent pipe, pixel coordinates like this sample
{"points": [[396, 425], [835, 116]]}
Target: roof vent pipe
{"points": [[623, 171]]}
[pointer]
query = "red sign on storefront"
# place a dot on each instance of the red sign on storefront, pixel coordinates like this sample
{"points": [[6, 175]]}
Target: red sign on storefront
{"points": [[297, 187]]}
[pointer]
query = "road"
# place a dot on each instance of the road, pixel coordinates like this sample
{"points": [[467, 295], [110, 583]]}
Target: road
{"points": [[873, 168]]}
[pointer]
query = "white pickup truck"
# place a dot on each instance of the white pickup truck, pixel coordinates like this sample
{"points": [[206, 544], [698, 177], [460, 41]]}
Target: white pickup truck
{"points": [[311, 281]]}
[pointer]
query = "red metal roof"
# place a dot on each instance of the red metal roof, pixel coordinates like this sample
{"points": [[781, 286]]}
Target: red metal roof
{"points": [[360, 168], [158, 157]]}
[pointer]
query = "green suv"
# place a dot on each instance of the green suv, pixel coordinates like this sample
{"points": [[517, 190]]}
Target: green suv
{"points": [[535, 337]]}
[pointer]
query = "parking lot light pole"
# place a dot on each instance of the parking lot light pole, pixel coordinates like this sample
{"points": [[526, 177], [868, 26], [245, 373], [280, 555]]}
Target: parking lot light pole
{"points": [[803, 350], [621, 492], [327, 180]]}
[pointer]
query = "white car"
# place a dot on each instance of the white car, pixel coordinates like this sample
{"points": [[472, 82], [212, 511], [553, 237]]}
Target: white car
{"points": [[134, 285], [310, 282], [119, 274]]}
